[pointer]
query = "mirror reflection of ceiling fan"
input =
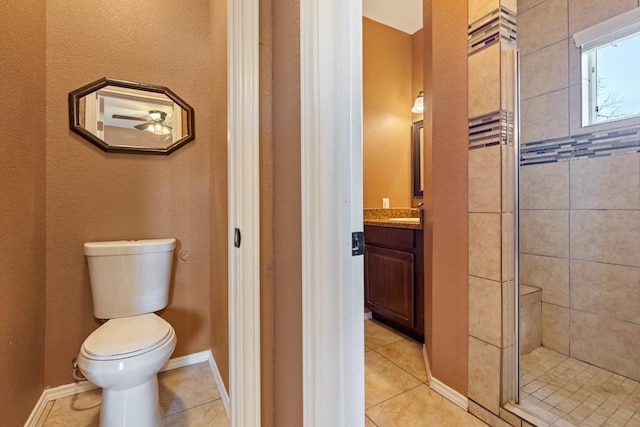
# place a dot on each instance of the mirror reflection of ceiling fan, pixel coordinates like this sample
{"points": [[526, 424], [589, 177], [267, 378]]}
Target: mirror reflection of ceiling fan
{"points": [[154, 123]]}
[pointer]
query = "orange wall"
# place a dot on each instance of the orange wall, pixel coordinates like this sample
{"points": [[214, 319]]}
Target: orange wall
{"points": [[417, 67], [387, 99], [446, 131], [219, 317], [266, 215], [286, 220], [92, 195], [22, 214]]}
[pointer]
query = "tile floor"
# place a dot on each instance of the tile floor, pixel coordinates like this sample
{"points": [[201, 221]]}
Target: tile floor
{"points": [[188, 397], [560, 389], [396, 393]]}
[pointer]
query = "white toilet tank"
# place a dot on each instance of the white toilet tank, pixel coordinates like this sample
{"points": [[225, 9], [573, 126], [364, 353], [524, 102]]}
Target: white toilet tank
{"points": [[129, 277]]}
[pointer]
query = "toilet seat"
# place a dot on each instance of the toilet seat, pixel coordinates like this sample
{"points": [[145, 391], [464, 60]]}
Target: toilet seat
{"points": [[127, 337]]}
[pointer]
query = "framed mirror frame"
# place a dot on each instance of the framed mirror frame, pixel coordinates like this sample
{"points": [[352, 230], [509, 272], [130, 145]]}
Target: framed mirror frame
{"points": [[417, 154], [76, 126]]}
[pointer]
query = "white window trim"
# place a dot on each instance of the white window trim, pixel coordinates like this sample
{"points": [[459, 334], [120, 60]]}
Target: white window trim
{"points": [[607, 31], [593, 38]]}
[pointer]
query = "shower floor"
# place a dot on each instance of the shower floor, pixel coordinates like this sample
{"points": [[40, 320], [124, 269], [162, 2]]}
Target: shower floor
{"points": [[562, 390]]}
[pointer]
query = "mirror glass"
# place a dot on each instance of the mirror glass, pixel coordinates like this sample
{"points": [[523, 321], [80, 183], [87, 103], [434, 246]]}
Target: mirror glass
{"points": [[417, 154], [120, 116]]}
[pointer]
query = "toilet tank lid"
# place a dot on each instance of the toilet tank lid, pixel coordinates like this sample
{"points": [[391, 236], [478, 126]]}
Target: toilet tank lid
{"points": [[129, 247]]}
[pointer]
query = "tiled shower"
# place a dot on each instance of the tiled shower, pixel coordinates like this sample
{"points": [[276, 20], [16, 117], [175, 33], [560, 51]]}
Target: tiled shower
{"points": [[579, 225], [579, 230]]}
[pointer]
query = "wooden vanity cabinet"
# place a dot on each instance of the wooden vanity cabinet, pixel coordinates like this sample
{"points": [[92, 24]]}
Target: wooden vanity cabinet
{"points": [[394, 278]]}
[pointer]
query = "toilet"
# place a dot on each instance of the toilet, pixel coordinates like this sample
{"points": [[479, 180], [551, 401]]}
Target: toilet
{"points": [[129, 282]]}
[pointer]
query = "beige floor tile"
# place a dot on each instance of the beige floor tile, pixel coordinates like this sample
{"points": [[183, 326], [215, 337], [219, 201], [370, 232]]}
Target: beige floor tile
{"points": [[588, 395], [186, 388], [634, 422], [384, 380], [210, 414], [421, 407], [79, 410], [407, 355], [618, 419], [368, 422], [376, 335], [188, 397]]}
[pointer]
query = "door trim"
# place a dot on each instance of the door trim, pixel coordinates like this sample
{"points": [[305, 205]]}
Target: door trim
{"points": [[244, 213], [331, 169]]}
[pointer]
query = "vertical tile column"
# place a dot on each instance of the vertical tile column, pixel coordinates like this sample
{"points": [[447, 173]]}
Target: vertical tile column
{"points": [[492, 40]]}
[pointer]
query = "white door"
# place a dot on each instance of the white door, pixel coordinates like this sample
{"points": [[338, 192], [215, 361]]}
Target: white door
{"points": [[333, 289]]}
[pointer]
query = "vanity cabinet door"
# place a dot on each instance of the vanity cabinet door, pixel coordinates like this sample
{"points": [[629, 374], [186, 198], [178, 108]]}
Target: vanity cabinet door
{"points": [[389, 284]]}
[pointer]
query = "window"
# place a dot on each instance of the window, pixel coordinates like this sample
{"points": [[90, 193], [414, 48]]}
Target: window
{"points": [[611, 69]]}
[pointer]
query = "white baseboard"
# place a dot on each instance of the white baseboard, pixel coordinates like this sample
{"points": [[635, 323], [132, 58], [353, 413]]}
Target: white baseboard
{"points": [[224, 395], [189, 359], [449, 393], [50, 394], [368, 315], [427, 365], [441, 388]]}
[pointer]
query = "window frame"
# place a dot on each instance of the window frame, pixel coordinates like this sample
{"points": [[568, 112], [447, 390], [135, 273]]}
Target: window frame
{"points": [[589, 41]]}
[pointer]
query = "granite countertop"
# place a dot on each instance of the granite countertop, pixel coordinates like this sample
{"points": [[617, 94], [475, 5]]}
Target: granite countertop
{"points": [[393, 218]]}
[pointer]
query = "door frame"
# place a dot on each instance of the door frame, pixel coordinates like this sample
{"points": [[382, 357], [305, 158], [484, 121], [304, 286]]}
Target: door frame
{"points": [[244, 213], [331, 175]]}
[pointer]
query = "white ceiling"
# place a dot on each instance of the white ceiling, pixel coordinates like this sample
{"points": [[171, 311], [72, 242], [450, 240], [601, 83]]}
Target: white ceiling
{"points": [[403, 15]]}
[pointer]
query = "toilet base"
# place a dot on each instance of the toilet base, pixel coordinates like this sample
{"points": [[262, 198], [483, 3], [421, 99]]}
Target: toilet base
{"points": [[138, 406]]}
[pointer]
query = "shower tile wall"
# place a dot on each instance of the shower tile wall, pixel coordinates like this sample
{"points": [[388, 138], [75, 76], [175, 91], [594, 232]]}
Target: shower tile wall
{"points": [[580, 210], [492, 37]]}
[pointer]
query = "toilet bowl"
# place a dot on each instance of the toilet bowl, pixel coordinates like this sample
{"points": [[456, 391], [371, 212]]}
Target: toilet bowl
{"points": [[123, 356], [129, 282]]}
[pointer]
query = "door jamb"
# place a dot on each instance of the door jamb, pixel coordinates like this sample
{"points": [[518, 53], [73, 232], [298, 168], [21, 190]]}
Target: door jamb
{"points": [[331, 173], [244, 213]]}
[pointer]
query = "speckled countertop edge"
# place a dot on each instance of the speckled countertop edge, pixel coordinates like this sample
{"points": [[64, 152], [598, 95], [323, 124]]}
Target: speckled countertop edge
{"points": [[380, 217]]}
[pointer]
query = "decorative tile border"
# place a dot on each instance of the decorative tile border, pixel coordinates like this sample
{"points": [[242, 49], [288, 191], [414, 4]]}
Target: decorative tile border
{"points": [[490, 29], [588, 145], [492, 129]]}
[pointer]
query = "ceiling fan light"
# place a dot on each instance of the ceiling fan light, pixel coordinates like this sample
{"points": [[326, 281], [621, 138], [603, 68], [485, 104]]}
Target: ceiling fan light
{"points": [[155, 115], [158, 129]]}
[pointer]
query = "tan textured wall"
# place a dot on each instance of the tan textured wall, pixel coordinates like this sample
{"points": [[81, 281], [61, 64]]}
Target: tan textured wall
{"points": [[266, 215], [219, 313], [92, 195], [287, 261], [387, 99], [22, 215], [417, 67], [446, 81]]}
